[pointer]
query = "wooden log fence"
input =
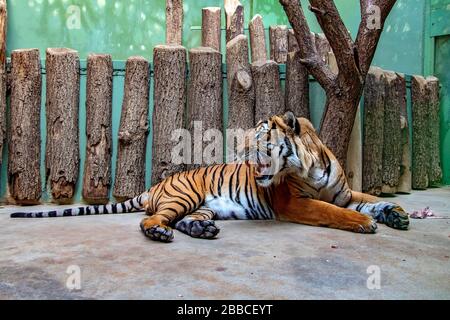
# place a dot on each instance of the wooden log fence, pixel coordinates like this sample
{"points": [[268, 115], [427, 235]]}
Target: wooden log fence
{"points": [[3, 73], [278, 38], [24, 175], [62, 106], [133, 130], [257, 38], [297, 81], [97, 165], [205, 106], [387, 162], [169, 98]]}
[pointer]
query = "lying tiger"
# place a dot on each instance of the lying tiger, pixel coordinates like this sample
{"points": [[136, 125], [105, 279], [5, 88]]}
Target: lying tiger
{"points": [[304, 183]]}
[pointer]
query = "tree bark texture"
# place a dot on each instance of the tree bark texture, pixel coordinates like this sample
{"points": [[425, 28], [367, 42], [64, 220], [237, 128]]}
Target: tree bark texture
{"points": [[268, 96], [62, 106], [3, 73], [404, 181], [241, 97], [392, 142], [373, 132], [169, 96], [278, 38], [434, 171], [24, 175], [211, 28], [420, 132], [97, 165], [297, 81], [174, 21], [234, 19], [322, 46], [205, 103], [130, 168], [257, 39]]}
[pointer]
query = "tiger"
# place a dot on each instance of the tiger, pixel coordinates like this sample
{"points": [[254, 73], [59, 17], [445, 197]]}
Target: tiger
{"points": [[294, 178]]}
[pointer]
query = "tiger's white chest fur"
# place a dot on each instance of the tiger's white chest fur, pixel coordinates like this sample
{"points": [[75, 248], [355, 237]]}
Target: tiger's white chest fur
{"points": [[225, 208]]}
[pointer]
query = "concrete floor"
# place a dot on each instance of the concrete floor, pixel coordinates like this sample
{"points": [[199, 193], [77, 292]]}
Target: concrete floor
{"points": [[249, 260]]}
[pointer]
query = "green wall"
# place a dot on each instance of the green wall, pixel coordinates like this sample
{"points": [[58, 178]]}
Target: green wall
{"points": [[133, 27]]}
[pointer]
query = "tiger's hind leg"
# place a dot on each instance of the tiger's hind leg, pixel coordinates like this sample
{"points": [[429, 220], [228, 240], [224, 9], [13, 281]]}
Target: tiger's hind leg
{"points": [[388, 213], [199, 224]]}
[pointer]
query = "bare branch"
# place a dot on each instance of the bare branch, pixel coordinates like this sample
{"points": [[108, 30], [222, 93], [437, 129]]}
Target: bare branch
{"points": [[307, 50], [373, 16], [338, 36]]}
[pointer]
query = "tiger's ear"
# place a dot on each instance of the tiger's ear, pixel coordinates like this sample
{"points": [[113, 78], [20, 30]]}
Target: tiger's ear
{"points": [[292, 122]]}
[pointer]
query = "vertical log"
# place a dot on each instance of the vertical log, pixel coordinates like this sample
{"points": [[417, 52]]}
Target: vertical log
{"points": [[278, 38], [62, 105], [268, 95], [434, 171], [257, 38], [297, 81], [211, 28], [234, 18], [241, 95], [174, 21], [373, 131], [169, 96], [133, 130], [420, 132], [3, 74], [240, 85], [25, 139], [404, 181], [97, 165], [322, 46], [392, 146], [205, 106]]}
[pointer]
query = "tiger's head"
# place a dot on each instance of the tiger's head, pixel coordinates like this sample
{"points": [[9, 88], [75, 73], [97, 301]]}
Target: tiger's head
{"points": [[279, 149]]}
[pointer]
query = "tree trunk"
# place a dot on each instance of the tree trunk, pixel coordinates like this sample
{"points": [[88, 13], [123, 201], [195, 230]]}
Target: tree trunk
{"points": [[174, 21], [169, 96], [353, 59], [420, 139], [404, 181], [97, 165], [257, 39], [211, 28], [434, 171], [62, 107], [234, 19], [392, 146], [278, 38], [297, 81], [25, 117], [373, 132], [133, 130], [3, 73], [205, 106], [268, 95]]}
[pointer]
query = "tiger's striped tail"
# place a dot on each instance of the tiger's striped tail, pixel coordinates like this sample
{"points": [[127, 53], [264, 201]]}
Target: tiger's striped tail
{"points": [[132, 205]]}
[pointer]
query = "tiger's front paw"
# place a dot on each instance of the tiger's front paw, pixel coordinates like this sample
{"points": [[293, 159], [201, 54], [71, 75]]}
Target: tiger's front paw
{"points": [[396, 217], [157, 232], [368, 226]]}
